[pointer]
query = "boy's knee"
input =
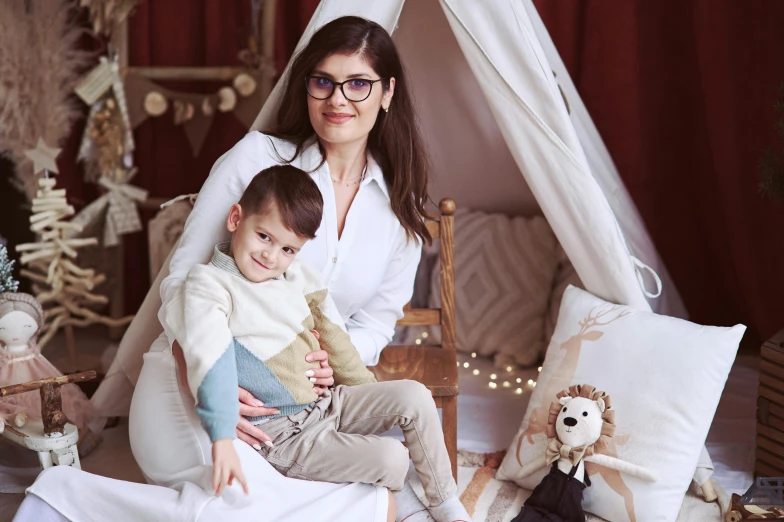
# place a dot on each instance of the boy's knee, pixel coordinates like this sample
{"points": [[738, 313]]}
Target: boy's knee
{"points": [[414, 396], [414, 392]]}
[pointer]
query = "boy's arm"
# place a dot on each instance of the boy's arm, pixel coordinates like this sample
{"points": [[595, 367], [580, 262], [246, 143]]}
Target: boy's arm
{"points": [[217, 404], [199, 318], [344, 359]]}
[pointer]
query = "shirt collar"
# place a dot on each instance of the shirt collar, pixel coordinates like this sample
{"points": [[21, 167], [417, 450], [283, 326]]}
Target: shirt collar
{"points": [[222, 260], [374, 173], [311, 158]]}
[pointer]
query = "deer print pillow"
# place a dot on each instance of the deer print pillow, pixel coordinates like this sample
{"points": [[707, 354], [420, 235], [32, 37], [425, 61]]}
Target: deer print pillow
{"points": [[665, 376]]}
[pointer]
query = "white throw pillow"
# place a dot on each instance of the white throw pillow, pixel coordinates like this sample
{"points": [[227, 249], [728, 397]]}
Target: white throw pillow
{"points": [[565, 275], [504, 273], [665, 377]]}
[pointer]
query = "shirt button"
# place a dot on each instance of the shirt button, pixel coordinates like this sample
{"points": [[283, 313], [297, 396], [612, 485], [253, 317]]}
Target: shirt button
{"points": [[334, 259]]}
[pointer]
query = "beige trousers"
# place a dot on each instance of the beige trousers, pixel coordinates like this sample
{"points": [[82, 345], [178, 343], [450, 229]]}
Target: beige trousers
{"points": [[334, 439]]}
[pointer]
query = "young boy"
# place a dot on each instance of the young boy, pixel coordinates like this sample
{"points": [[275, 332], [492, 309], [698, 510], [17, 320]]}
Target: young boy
{"points": [[245, 319]]}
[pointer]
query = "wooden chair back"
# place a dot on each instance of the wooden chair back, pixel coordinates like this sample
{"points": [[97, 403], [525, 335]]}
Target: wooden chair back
{"points": [[432, 365], [442, 228]]}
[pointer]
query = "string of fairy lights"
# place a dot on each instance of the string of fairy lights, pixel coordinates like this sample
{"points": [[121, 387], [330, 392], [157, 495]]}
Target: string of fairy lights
{"points": [[498, 378]]}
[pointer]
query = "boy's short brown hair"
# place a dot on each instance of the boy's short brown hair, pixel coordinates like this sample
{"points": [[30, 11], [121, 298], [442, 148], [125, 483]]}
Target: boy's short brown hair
{"points": [[294, 193]]}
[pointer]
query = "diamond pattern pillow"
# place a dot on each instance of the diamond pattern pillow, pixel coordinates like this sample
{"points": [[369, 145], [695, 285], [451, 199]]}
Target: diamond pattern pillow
{"points": [[504, 272]]}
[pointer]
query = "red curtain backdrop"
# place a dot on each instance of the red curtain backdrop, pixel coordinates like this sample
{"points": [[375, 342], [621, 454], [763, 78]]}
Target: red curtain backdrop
{"points": [[681, 91]]}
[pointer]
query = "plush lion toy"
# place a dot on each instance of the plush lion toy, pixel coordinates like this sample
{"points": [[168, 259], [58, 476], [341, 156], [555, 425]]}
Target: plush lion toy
{"points": [[579, 426]]}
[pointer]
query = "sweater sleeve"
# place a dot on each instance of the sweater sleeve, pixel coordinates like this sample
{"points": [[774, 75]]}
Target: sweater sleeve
{"points": [[198, 317], [218, 407], [344, 359]]}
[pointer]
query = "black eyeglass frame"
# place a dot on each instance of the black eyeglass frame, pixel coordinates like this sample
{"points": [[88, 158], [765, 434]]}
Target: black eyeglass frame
{"points": [[336, 84]]}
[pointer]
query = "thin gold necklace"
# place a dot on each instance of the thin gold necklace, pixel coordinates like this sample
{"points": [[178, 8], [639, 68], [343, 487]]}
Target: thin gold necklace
{"points": [[353, 182]]}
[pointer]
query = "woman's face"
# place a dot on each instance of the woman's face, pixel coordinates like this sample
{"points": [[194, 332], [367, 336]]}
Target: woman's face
{"points": [[338, 120]]}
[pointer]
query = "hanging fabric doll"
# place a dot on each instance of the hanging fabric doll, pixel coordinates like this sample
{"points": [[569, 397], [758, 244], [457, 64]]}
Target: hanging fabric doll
{"points": [[21, 318], [580, 424]]}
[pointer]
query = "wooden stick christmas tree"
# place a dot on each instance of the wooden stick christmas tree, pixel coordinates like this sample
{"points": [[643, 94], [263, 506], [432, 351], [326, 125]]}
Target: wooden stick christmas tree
{"points": [[62, 287]]}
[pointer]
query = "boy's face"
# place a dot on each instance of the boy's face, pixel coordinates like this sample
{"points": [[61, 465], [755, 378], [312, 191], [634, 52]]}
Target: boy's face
{"points": [[261, 245]]}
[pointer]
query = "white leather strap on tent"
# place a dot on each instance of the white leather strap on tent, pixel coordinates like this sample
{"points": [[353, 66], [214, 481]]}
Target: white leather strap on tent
{"points": [[639, 265]]}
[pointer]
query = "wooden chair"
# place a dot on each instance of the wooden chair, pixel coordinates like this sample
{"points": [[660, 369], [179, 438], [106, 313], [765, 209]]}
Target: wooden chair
{"points": [[434, 366]]}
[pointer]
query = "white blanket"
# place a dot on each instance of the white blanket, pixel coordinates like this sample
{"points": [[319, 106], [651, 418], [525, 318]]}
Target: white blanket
{"points": [[84, 497]]}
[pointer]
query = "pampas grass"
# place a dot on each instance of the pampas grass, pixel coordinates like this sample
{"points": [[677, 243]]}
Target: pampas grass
{"points": [[107, 14], [39, 66]]}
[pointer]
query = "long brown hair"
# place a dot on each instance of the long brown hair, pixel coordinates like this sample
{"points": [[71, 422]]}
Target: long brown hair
{"points": [[394, 140]]}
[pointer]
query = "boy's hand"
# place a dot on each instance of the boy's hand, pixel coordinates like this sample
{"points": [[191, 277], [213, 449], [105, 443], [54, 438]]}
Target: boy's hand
{"points": [[226, 466]]}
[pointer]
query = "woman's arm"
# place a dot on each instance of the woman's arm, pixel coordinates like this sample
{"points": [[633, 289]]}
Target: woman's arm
{"points": [[372, 327], [206, 224]]}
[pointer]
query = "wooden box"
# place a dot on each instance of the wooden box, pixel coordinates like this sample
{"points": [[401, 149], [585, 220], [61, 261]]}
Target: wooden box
{"points": [[770, 410]]}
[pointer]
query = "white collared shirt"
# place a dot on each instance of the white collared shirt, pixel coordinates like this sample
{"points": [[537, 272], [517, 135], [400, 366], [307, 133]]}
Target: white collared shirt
{"points": [[369, 271]]}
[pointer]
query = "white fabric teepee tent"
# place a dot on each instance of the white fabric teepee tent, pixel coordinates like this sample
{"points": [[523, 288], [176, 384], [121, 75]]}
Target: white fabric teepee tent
{"points": [[489, 102]]}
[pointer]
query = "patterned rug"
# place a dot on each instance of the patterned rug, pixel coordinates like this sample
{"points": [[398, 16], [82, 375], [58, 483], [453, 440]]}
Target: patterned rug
{"points": [[485, 498], [491, 500]]}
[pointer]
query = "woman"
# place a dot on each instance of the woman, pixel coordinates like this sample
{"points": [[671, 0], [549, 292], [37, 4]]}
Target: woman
{"points": [[337, 121], [346, 117]]}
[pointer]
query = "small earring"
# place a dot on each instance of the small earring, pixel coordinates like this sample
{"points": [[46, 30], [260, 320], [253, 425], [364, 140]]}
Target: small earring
{"points": [[386, 110]]}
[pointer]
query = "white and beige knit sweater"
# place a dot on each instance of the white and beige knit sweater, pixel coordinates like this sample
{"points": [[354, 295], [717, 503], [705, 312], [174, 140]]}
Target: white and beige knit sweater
{"points": [[256, 335]]}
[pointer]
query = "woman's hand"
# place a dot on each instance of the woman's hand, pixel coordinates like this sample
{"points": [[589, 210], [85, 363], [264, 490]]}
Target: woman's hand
{"points": [[320, 377], [226, 466], [250, 406]]}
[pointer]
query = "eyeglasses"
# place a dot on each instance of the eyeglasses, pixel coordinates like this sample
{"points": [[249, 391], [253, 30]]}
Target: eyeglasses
{"points": [[355, 90]]}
